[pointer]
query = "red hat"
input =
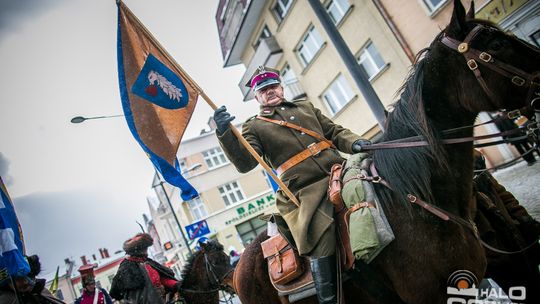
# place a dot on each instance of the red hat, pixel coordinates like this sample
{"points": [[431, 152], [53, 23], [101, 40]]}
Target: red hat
{"points": [[263, 77], [87, 274]]}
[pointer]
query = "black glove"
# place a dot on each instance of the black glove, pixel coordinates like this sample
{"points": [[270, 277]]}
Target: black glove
{"points": [[358, 144], [222, 119]]}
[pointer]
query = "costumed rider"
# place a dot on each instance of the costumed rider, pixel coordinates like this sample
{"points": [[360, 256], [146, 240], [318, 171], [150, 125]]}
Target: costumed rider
{"points": [[140, 279], [302, 157], [91, 294]]}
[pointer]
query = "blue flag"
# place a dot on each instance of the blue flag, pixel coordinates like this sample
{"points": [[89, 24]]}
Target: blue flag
{"points": [[158, 98], [12, 261]]}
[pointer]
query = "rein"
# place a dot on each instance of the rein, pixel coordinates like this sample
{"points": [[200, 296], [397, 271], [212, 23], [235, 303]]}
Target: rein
{"points": [[441, 213]]}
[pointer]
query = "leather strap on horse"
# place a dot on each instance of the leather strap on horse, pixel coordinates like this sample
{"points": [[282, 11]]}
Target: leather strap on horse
{"points": [[445, 215], [311, 150]]}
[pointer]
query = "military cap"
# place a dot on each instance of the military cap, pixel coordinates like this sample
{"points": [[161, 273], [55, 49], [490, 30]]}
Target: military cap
{"points": [[263, 77]]}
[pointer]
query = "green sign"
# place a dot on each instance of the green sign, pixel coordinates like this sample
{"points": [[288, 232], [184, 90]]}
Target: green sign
{"points": [[252, 208]]}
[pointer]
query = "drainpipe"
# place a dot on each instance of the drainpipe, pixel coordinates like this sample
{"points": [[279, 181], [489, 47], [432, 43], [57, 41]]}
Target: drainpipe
{"points": [[352, 65], [401, 40]]}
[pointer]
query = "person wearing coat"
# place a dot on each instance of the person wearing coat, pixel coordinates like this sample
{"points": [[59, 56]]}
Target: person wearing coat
{"points": [[139, 279], [28, 289], [302, 160], [91, 294]]}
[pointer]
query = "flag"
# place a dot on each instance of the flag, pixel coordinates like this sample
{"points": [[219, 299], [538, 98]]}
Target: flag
{"points": [[12, 260], [54, 284], [158, 98]]}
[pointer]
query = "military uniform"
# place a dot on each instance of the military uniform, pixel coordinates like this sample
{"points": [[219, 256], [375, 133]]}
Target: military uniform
{"points": [[308, 180]]}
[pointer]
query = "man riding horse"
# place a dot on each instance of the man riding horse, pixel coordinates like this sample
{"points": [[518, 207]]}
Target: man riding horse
{"points": [[301, 144]]}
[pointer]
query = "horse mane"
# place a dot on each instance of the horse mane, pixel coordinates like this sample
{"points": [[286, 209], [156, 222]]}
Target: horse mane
{"points": [[410, 170], [210, 246]]}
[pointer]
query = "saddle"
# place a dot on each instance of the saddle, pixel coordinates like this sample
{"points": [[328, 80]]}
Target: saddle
{"points": [[356, 208]]}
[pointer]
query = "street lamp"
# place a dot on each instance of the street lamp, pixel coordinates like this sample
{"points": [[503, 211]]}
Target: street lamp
{"points": [[79, 119]]}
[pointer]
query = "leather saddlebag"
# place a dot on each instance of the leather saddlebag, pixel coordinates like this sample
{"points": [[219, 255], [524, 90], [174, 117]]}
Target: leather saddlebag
{"points": [[284, 263]]}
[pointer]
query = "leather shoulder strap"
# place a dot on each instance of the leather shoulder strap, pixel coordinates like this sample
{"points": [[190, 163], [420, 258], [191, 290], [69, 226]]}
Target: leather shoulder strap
{"points": [[298, 128]]}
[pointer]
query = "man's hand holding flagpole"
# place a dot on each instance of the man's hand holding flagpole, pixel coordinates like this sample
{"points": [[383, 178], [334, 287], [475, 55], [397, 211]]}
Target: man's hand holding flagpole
{"points": [[150, 80]]}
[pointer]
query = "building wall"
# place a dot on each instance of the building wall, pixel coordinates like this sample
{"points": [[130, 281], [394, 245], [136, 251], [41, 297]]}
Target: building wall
{"points": [[319, 74]]}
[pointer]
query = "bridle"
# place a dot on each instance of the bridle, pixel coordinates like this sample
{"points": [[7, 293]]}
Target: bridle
{"points": [[216, 282], [474, 57]]}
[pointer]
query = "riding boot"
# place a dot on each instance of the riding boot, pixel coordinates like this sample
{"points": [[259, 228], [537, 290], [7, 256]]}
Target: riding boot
{"points": [[324, 277]]}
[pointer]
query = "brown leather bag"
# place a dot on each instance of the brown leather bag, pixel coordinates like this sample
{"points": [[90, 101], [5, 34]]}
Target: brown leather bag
{"points": [[284, 263], [341, 216]]}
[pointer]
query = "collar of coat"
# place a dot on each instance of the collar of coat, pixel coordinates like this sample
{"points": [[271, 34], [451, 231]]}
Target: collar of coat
{"points": [[270, 110]]}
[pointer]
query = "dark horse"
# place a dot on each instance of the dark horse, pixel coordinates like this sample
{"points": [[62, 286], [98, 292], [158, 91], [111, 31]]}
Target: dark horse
{"points": [[444, 90], [206, 273]]}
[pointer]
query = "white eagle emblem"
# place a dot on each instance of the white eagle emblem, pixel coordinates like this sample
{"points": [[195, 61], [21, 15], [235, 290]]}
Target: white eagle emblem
{"points": [[170, 89]]}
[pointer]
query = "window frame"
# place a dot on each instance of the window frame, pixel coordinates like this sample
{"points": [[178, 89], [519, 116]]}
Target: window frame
{"points": [[214, 153], [316, 40], [372, 60], [200, 207], [433, 9], [235, 192], [342, 10], [340, 84], [260, 37], [285, 10]]}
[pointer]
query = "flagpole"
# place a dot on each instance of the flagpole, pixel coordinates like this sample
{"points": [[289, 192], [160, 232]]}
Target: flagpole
{"points": [[239, 136]]}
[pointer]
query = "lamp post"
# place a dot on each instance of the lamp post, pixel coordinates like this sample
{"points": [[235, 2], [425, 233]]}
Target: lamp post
{"points": [[160, 184], [80, 119]]}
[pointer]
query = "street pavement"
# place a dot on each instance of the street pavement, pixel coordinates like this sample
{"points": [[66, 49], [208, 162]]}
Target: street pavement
{"points": [[523, 182]]}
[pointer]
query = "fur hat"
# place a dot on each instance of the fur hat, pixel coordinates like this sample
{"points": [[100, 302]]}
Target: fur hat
{"points": [[137, 245]]}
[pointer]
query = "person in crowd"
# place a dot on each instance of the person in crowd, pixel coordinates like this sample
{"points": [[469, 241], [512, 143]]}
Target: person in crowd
{"points": [[235, 257], [522, 145], [27, 289], [505, 224], [139, 279], [301, 144], [91, 294]]}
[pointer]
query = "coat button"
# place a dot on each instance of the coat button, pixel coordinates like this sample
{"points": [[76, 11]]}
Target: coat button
{"points": [[292, 118]]}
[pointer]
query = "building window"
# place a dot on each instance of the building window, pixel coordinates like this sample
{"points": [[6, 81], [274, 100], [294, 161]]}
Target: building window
{"points": [[265, 33], [433, 5], [224, 11], [231, 193], [287, 75], [337, 9], [197, 208], [249, 230], [338, 95], [370, 60], [309, 46], [214, 157], [281, 8]]}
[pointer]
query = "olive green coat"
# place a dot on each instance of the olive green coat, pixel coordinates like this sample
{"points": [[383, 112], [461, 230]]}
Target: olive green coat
{"points": [[309, 179]]}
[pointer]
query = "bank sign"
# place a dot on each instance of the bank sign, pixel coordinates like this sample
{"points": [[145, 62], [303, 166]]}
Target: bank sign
{"points": [[251, 208]]}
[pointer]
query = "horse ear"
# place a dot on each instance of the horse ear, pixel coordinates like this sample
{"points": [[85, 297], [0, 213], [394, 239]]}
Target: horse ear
{"points": [[470, 13], [457, 23]]}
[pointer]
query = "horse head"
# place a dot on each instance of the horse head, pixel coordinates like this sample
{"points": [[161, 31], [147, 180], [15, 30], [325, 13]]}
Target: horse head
{"points": [[207, 271], [492, 69]]}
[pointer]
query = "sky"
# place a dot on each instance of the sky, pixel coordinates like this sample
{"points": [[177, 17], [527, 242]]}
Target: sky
{"points": [[80, 187]]}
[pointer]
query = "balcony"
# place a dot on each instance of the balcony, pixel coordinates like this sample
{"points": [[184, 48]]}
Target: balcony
{"points": [[268, 54]]}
